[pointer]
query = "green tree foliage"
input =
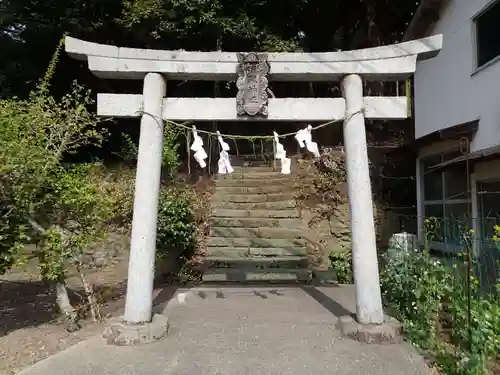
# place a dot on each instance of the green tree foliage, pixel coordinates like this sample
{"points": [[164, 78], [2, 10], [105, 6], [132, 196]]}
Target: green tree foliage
{"points": [[218, 23], [45, 201]]}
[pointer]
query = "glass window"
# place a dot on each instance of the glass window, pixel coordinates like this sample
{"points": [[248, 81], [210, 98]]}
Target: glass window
{"points": [[433, 178], [487, 31], [455, 181], [433, 185], [446, 202]]}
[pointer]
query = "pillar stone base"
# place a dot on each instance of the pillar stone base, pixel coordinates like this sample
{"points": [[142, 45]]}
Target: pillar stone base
{"points": [[388, 332], [121, 333]]}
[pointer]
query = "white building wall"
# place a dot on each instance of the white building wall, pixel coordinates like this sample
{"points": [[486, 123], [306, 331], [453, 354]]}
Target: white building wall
{"points": [[449, 90]]}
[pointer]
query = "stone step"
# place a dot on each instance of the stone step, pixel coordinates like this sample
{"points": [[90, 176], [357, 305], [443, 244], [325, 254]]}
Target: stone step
{"points": [[282, 233], [262, 175], [257, 168], [265, 214], [254, 242], [263, 189], [255, 222], [283, 205], [256, 262], [250, 182], [257, 232], [252, 198], [236, 252], [255, 158], [241, 275]]}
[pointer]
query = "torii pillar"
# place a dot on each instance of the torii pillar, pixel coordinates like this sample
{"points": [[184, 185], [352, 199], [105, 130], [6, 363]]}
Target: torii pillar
{"points": [[388, 63], [364, 246]]}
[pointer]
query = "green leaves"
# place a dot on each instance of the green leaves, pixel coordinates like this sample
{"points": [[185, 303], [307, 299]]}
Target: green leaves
{"points": [[208, 24], [57, 207], [431, 299], [13, 235], [171, 160], [414, 286], [176, 231], [341, 263], [170, 155]]}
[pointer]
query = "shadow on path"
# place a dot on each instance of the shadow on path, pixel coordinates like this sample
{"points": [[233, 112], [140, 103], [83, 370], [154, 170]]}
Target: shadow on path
{"points": [[331, 305], [25, 304]]}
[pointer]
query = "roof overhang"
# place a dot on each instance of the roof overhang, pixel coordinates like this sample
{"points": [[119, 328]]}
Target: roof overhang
{"points": [[424, 19], [455, 132]]}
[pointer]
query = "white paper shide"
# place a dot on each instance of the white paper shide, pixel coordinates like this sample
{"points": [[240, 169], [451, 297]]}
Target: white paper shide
{"points": [[304, 138], [224, 161], [281, 155], [197, 147]]}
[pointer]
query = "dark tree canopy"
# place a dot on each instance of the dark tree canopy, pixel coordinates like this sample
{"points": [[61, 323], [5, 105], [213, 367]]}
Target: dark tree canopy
{"points": [[30, 29]]}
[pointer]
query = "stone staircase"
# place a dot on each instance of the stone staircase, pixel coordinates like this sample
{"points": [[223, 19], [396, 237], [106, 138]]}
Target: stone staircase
{"points": [[256, 231]]}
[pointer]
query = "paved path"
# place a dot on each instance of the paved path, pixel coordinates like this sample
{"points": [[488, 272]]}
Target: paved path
{"points": [[245, 330]]}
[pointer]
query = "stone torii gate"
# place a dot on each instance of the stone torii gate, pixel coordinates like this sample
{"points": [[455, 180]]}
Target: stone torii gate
{"points": [[388, 63]]}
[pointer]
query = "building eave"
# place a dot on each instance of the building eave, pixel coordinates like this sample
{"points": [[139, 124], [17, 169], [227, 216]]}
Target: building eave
{"points": [[455, 132], [424, 19]]}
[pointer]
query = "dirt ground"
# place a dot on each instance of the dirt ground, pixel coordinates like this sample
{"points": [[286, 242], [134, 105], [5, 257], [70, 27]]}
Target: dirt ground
{"points": [[30, 326]]}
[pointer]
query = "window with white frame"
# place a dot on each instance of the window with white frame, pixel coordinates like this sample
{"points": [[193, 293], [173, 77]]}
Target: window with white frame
{"points": [[487, 30], [446, 200]]}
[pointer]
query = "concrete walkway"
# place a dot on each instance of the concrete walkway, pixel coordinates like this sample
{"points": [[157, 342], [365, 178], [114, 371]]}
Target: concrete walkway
{"points": [[244, 330]]}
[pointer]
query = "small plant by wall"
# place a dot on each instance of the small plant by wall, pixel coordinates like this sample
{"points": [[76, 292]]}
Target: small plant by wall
{"points": [[325, 192], [341, 264]]}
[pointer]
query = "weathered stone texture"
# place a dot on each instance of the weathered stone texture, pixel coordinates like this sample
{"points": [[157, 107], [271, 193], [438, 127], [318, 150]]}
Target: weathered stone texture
{"points": [[121, 333], [387, 333]]}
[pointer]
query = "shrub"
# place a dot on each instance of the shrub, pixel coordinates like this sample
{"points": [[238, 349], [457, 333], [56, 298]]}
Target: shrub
{"points": [[176, 231], [13, 235], [441, 311], [170, 155], [54, 206], [341, 263], [116, 185], [414, 286], [171, 159], [326, 191]]}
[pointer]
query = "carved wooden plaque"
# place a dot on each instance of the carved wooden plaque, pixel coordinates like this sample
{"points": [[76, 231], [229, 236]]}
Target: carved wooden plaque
{"points": [[252, 98]]}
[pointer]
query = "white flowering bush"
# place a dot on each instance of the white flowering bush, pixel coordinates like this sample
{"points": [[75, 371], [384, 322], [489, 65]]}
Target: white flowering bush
{"points": [[413, 287], [443, 308]]}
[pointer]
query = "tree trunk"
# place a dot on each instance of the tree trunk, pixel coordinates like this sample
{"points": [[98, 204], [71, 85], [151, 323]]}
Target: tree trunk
{"points": [[89, 292], [64, 304]]}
